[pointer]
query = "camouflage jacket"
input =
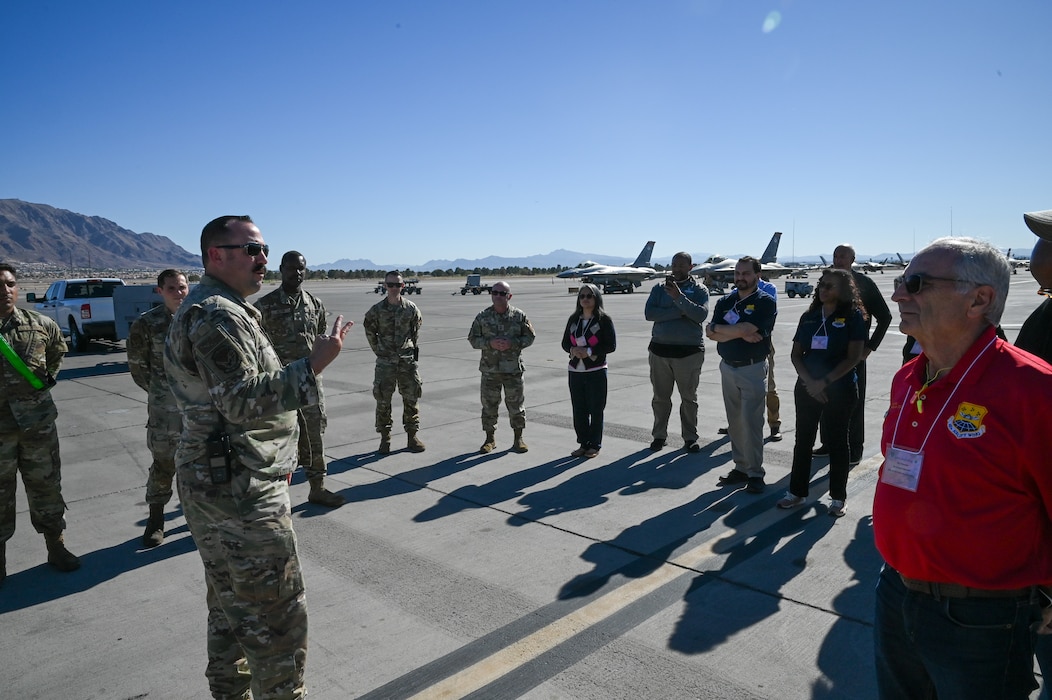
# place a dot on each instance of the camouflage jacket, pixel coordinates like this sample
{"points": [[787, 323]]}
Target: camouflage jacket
{"points": [[226, 377], [292, 322], [146, 365], [392, 331], [513, 325], [38, 341]]}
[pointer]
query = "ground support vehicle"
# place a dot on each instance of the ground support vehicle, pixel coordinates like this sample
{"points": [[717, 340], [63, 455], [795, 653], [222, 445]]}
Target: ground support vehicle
{"points": [[798, 287], [83, 308], [474, 285], [130, 302]]}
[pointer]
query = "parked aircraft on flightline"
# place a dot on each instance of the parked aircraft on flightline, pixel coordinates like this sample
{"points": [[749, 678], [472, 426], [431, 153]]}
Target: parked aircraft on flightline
{"points": [[873, 266], [1017, 263], [613, 278], [719, 269]]}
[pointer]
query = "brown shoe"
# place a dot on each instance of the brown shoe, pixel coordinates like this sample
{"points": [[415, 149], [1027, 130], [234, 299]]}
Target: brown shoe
{"points": [[322, 496], [489, 445], [57, 554], [414, 443]]}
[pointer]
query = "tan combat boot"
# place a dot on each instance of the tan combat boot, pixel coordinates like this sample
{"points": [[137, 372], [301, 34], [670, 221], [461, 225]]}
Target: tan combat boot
{"points": [[489, 445], [322, 496], [57, 554], [385, 442], [154, 534], [414, 443], [518, 445]]}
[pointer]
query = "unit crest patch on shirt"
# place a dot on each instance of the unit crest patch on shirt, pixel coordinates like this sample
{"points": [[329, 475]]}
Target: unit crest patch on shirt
{"points": [[967, 422]]}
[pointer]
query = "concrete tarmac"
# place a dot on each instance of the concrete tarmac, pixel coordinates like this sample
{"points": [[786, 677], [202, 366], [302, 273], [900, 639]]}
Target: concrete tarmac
{"points": [[450, 574]]}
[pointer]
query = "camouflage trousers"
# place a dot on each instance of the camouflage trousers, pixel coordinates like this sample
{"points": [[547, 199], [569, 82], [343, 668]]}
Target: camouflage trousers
{"points": [[312, 423], [257, 610], [514, 398], [405, 376], [34, 454], [162, 446]]}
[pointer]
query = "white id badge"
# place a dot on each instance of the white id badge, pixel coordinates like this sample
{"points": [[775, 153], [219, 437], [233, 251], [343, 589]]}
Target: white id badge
{"points": [[731, 316], [819, 342], [902, 468]]}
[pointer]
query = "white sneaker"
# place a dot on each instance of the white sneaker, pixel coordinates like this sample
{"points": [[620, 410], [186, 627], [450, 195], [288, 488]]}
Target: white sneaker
{"points": [[837, 509], [790, 501]]}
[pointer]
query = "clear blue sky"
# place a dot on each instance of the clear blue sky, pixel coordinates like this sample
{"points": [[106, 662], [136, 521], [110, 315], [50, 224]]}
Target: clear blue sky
{"points": [[405, 131]]}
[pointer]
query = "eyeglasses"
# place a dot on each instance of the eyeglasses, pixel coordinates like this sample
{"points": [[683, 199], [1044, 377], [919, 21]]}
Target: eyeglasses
{"points": [[827, 285], [499, 293], [392, 285], [917, 282], [251, 249], [586, 296]]}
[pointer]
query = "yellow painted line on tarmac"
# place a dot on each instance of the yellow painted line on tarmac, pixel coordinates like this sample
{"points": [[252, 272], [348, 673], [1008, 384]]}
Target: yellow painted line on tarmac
{"points": [[502, 662], [529, 648]]}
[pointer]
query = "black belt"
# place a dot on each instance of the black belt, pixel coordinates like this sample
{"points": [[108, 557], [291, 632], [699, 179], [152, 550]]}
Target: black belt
{"points": [[955, 590], [744, 363]]}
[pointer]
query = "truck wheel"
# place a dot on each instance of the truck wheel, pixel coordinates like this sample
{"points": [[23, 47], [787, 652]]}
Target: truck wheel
{"points": [[463, 292], [476, 292], [791, 294], [78, 340]]}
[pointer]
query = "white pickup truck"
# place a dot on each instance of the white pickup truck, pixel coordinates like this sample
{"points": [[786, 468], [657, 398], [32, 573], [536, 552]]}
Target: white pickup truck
{"points": [[83, 308]]}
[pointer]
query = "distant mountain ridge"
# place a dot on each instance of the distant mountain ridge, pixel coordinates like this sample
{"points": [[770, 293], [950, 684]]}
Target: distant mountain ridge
{"points": [[38, 233]]}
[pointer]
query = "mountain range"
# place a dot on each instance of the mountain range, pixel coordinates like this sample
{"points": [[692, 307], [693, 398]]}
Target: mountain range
{"points": [[41, 234]]}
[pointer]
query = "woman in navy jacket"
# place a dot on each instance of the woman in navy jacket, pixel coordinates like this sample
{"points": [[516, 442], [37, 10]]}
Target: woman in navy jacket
{"points": [[589, 337]]}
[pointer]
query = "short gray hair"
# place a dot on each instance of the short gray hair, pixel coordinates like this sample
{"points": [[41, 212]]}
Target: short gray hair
{"points": [[979, 262]]}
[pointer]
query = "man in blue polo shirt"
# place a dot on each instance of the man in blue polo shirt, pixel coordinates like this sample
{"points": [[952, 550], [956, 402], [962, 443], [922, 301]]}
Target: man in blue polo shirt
{"points": [[741, 326]]}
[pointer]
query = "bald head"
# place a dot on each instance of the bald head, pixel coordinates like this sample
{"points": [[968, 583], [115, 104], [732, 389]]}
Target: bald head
{"points": [[1041, 263]]}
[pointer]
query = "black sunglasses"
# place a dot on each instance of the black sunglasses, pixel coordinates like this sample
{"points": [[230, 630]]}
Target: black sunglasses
{"points": [[251, 249], [393, 284], [917, 282], [586, 296], [499, 292]]}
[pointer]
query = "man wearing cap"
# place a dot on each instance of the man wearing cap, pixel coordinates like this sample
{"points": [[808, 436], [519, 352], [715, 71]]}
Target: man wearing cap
{"points": [[876, 309], [1036, 337], [1036, 334], [962, 502]]}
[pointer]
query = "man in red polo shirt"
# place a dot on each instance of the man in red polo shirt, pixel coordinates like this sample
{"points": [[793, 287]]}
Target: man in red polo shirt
{"points": [[961, 510]]}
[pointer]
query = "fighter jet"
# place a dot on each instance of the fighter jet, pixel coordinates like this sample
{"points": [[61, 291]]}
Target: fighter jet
{"points": [[1017, 263], [613, 278], [720, 269]]}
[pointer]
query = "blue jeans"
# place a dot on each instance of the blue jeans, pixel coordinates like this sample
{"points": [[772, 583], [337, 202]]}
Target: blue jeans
{"points": [[952, 648]]}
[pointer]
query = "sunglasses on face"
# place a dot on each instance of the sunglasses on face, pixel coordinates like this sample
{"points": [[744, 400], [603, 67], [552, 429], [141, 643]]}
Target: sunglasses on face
{"points": [[918, 282], [251, 249], [827, 285], [499, 292], [392, 285], [586, 296]]}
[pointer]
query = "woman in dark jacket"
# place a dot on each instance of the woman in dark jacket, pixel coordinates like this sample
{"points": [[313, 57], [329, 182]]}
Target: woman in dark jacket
{"points": [[589, 337], [828, 344]]}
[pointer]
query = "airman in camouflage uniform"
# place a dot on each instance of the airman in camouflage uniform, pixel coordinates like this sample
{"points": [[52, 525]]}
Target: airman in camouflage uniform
{"points": [[234, 460], [392, 328], [164, 423], [28, 437], [501, 332], [293, 318]]}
